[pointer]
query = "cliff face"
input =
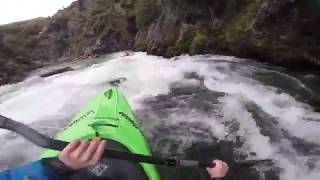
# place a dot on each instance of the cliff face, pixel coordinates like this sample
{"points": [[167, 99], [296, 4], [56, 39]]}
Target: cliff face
{"points": [[280, 31], [87, 25]]}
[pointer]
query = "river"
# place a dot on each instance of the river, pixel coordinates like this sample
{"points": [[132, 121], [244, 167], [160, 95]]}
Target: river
{"points": [[204, 106]]}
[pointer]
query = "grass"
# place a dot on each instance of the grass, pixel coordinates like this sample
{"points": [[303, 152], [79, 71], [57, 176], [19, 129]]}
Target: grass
{"points": [[198, 42], [242, 24], [146, 11]]}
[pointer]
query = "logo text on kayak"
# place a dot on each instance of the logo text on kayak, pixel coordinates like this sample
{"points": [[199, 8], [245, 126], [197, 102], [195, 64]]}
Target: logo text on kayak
{"points": [[85, 115]]}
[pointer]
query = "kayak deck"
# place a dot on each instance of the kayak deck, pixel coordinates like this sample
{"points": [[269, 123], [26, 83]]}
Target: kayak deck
{"points": [[108, 116]]}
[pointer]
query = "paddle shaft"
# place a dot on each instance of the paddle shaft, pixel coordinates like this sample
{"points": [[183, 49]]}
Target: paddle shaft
{"points": [[49, 143]]}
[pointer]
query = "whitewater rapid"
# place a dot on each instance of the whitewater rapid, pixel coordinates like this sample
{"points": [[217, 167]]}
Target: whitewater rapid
{"points": [[240, 103]]}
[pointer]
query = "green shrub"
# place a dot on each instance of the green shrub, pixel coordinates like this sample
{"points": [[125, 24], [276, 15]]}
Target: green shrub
{"points": [[101, 7], [146, 11], [198, 42]]}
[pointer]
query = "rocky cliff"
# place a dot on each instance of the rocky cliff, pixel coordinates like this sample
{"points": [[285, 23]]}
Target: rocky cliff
{"points": [[279, 31], [285, 32]]}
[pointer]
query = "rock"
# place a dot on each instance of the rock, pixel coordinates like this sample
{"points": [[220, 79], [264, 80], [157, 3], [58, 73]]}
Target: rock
{"points": [[22, 60], [56, 71], [284, 32]]}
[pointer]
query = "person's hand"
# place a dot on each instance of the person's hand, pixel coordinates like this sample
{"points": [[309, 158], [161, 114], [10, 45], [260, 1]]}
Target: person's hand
{"points": [[220, 170], [81, 154]]}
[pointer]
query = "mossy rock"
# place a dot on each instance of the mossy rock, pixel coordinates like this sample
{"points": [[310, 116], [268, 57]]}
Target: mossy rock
{"points": [[146, 11], [199, 42], [101, 6], [241, 24]]}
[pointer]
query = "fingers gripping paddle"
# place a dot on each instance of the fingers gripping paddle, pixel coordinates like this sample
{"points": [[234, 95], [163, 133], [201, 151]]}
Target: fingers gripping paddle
{"points": [[49, 143]]}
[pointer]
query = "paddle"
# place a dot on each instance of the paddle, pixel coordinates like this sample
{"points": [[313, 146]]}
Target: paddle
{"points": [[49, 143]]}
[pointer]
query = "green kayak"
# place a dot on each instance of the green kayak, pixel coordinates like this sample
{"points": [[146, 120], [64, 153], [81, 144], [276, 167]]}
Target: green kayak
{"points": [[110, 117]]}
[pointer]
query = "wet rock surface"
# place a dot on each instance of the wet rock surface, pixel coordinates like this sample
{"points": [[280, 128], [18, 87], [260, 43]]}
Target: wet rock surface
{"points": [[283, 32]]}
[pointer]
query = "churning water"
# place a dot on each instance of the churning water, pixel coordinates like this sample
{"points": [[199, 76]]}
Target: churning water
{"points": [[204, 106]]}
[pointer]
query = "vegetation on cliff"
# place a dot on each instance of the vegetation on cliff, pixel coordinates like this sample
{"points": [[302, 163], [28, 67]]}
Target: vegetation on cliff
{"points": [[283, 31]]}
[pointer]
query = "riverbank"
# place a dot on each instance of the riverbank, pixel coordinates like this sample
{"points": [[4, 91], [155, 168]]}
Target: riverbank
{"points": [[283, 32]]}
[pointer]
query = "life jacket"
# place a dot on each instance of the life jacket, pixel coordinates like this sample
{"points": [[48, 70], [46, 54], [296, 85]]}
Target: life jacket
{"points": [[54, 169], [33, 171]]}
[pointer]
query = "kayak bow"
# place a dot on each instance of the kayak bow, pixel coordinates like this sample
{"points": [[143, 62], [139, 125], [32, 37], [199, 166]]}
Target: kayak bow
{"points": [[110, 117]]}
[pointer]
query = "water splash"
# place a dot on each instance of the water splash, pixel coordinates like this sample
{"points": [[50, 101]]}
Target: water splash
{"points": [[181, 102]]}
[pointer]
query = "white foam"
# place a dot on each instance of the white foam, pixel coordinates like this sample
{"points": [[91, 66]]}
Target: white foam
{"points": [[291, 113], [62, 95]]}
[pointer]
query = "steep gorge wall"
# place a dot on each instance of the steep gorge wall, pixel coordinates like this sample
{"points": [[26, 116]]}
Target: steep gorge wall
{"points": [[280, 31], [285, 32]]}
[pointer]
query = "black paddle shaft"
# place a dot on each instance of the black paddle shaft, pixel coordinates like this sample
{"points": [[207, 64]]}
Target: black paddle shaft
{"points": [[49, 143]]}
